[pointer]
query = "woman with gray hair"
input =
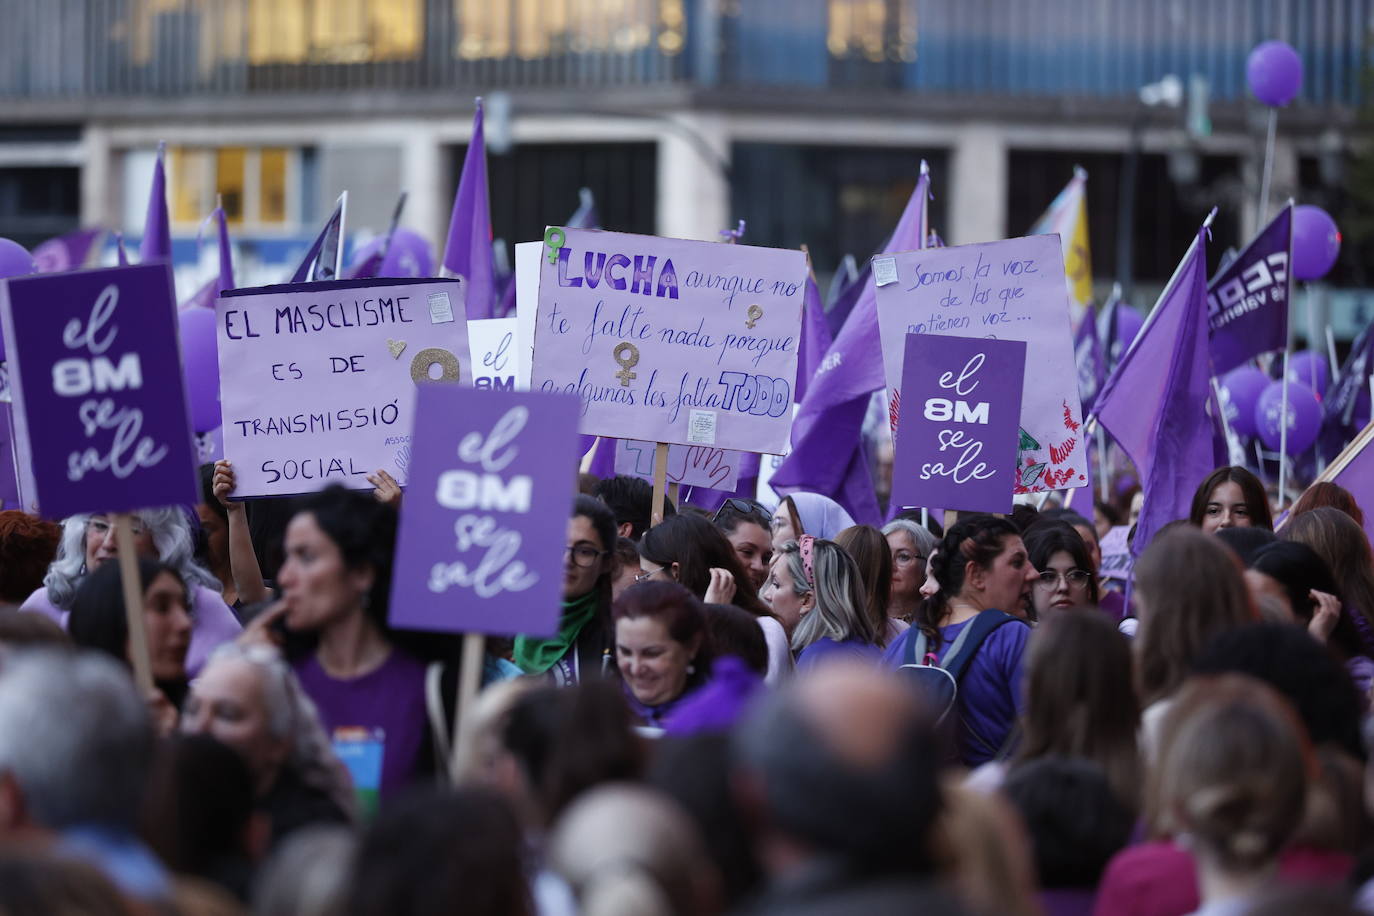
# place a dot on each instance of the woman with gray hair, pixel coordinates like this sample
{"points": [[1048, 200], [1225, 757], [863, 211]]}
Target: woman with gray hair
{"points": [[249, 699], [911, 546], [163, 533], [816, 591]]}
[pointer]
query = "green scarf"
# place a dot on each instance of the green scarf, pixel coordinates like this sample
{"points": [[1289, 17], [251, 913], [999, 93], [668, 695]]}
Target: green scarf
{"points": [[535, 656]]}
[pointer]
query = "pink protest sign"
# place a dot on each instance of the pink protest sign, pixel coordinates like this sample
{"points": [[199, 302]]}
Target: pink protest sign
{"points": [[483, 542], [688, 465], [318, 380], [956, 444], [692, 343], [1008, 290]]}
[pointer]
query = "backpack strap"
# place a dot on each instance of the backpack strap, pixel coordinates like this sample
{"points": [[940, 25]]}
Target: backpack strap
{"points": [[960, 653], [915, 648]]}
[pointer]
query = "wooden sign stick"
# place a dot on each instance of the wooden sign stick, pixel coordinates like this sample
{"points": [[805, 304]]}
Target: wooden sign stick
{"points": [[133, 602], [673, 490], [469, 683], [951, 516], [660, 483]]}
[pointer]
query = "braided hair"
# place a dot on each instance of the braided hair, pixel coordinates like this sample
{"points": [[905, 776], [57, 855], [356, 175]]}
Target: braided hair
{"points": [[976, 539]]}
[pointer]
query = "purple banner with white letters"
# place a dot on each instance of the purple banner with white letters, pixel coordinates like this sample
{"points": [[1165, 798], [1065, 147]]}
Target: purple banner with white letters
{"points": [[95, 371], [665, 340], [957, 443], [1247, 303], [482, 540]]}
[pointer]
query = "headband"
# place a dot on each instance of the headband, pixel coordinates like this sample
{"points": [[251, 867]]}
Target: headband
{"points": [[806, 544]]}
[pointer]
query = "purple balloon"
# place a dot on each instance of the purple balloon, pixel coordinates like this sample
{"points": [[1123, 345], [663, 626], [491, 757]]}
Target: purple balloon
{"points": [[1240, 390], [1310, 368], [1316, 242], [410, 255], [15, 261], [1304, 416], [200, 367], [1274, 73]]}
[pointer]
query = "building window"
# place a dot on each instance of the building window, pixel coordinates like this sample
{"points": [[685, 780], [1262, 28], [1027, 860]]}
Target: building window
{"points": [[874, 30], [531, 29], [253, 184]]}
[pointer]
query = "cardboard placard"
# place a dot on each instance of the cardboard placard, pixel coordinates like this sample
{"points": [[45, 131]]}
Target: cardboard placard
{"points": [[688, 465], [957, 440], [99, 405], [665, 340], [318, 380], [1007, 290], [482, 539], [492, 344]]}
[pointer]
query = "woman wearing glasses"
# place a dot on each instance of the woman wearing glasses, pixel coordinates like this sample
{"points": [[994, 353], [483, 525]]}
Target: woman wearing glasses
{"points": [[911, 547], [164, 534], [746, 525], [1067, 577], [582, 647]]}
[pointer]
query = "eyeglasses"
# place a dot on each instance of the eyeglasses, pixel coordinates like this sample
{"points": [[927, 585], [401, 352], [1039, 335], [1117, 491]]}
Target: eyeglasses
{"points": [[648, 574], [1076, 578], [905, 558], [584, 555], [100, 527], [743, 507]]}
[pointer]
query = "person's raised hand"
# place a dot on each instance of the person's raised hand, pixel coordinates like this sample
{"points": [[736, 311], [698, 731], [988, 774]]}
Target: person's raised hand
{"points": [[388, 491], [722, 587], [223, 484], [1325, 615]]}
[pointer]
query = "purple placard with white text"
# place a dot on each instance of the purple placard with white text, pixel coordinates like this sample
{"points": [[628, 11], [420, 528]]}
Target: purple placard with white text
{"points": [[665, 340], [318, 380], [98, 396], [956, 445], [482, 535]]}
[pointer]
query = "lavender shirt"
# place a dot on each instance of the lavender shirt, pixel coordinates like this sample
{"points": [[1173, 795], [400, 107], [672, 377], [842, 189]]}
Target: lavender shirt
{"points": [[990, 691], [212, 622], [826, 650]]}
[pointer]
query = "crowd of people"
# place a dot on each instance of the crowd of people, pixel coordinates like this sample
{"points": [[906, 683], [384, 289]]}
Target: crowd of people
{"points": [[749, 709]]}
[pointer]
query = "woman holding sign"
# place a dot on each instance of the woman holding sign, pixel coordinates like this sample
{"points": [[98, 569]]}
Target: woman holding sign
{"points": [[581, 649], [985, 577], [163, 534]]}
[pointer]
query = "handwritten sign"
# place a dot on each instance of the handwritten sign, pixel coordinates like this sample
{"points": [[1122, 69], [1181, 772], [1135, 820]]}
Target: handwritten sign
{"points": [[318, 380], [689, 465], [479, 550], [1116, 554], [693, 343], [956, 446], [98, 397], [492, 343], [1008, 290]]}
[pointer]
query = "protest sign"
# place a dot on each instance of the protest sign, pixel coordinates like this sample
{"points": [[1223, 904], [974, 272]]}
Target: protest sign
{"points": [[1247, 302], [957, 442], [98, 396], [1116, 554], [495, 469], [492, 344], [318, 380], [691, 343], [688, 465], [1008, 290]]}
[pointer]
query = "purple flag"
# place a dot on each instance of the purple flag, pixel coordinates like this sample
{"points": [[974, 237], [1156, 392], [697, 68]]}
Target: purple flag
{"points": [[120, 253], [846, 299], [1247, 303], [1092, 366], [321, 262], [9, 476], [156, 244], [1347, 405], [368, 263], [1154, 404], [225, 279], [815, 338], [1354, 470], [827, 455], [467, 253], [66, 252]]}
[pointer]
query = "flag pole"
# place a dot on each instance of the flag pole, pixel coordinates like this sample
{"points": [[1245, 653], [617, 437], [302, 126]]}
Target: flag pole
{"points": [[1268, 169], [1104, 471], [1283, 432]]}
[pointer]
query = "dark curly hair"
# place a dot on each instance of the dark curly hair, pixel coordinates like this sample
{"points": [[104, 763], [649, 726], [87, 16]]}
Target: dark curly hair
{"points": [[27, 545], [976, 539]]}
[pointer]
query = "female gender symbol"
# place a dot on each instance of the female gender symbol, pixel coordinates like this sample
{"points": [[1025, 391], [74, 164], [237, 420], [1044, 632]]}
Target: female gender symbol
{"points": [[553, 240], [754, 313], [627, 357]]}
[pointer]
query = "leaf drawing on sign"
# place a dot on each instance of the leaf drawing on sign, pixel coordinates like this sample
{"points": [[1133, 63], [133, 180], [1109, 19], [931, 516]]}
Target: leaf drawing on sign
{"points": [[1028, 476], [1027, 443]]}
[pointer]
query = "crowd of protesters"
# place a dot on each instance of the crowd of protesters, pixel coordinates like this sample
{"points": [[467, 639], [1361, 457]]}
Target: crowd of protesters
{"points": [[750, 710]]}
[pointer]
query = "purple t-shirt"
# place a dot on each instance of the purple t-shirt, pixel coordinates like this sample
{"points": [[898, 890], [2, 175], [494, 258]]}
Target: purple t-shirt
{"points": [[825, 650], [377, 722], [990, 691], [212, 622]]}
